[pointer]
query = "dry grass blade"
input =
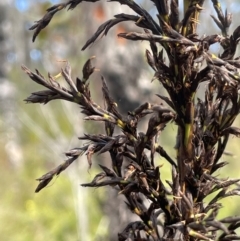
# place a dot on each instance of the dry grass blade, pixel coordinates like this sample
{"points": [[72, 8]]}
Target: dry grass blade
{"points": [[42, 23], [42, 97], [46, 178], [103, 29]]}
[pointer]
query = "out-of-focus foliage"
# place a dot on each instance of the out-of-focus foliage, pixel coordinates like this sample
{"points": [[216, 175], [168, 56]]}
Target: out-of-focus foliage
{"points": [[30, 216], [26, 217], [53, 214]]}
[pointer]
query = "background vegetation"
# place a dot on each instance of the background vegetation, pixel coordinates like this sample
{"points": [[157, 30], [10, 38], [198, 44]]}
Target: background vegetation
{"points": [[32, 140]]}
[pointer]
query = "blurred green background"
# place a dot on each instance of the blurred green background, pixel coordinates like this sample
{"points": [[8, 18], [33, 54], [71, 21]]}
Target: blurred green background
{"points": [[33, 138]]}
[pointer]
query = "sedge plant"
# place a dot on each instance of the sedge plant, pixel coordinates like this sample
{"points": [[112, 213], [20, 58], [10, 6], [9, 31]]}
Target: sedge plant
{"points": [[181, 61]]}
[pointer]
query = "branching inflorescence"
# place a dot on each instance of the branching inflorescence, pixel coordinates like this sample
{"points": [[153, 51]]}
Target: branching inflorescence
{"points": [[203, 125]]}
